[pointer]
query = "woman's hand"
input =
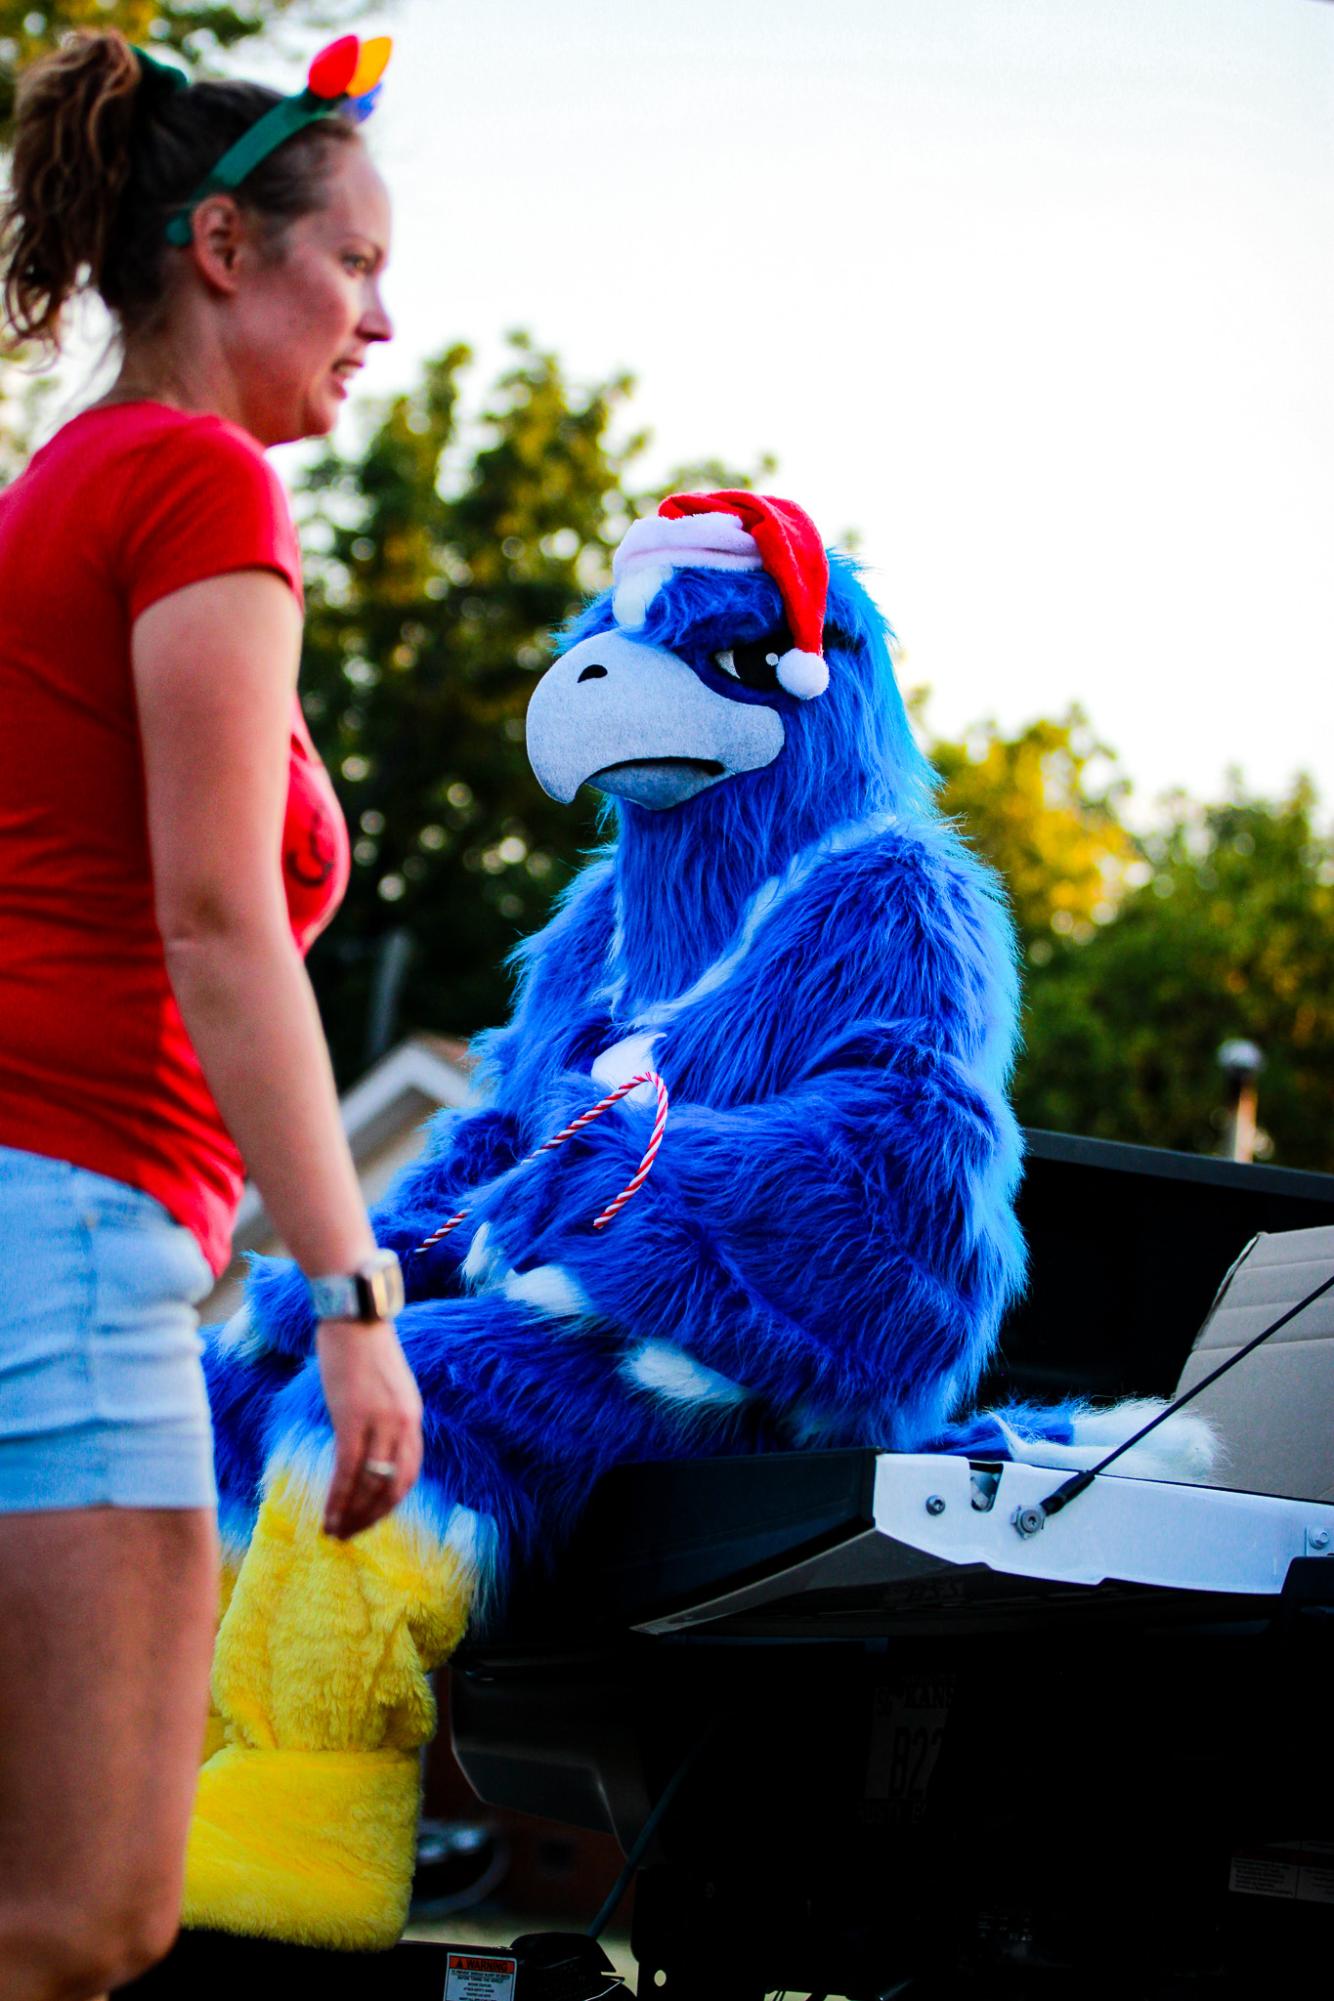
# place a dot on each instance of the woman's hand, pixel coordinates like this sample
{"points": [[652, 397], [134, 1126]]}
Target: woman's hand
{"points": [[376, 1414]]}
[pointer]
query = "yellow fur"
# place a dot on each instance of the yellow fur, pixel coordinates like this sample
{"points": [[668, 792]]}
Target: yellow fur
{"points": [[312, 1847], [305, 1820]]}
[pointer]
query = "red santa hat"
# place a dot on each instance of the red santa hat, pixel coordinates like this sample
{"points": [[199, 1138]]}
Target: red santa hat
{"points": [[734, 531]]}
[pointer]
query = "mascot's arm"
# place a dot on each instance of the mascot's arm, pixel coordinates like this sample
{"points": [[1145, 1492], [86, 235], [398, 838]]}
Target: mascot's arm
{"points": [[845, 1246]]}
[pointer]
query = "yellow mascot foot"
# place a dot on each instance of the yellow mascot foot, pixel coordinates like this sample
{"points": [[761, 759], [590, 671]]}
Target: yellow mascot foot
{"points": [[312, 1847], [305, 1818]]}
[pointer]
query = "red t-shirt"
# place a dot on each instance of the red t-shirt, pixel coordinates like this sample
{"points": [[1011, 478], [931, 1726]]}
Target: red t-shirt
{"points": [[125, 505]]}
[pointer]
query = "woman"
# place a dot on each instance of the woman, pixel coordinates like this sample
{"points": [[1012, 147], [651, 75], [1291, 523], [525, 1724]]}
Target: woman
{"points": [[169, 847]]}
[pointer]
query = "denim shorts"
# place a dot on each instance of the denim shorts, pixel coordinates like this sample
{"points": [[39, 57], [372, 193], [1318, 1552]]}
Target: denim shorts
{"points": [[102, 1399]]}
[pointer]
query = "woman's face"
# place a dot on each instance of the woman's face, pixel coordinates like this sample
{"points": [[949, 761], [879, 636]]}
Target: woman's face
{"points": [[305, 317]]}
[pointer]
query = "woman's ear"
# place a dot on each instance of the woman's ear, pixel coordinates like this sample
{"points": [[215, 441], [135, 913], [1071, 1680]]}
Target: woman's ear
{"points": [[218, 232]]}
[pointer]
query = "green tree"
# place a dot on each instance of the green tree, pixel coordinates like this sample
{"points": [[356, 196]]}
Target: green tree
{"points": [[1044, 806], [1142, 954], [1232, 933]]}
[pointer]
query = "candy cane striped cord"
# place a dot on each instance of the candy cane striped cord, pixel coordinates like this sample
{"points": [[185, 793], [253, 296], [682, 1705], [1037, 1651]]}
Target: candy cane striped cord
{"points": [[641, 1175], [631, 1188]]}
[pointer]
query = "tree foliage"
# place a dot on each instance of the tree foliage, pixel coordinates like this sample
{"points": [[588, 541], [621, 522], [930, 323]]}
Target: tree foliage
{"points": [[1045, 805], [22, 402], [1231, 933], [1143, 953]]}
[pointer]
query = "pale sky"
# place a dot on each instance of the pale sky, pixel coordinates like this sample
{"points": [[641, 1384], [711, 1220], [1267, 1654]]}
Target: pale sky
{"points": [[1035, 294]]}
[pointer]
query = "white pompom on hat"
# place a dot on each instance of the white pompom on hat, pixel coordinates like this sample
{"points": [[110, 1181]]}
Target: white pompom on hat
{"points": [[734, 531]]}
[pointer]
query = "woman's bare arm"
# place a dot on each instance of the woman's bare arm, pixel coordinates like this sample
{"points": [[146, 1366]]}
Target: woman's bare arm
{"points": [[214, 672]]}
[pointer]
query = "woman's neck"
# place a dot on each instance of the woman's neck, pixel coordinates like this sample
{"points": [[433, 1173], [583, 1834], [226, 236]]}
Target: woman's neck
{"points": [[164, 370]]}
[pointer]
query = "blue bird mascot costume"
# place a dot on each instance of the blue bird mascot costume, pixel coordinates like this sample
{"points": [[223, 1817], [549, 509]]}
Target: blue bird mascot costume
{"points": [[785, 930]]}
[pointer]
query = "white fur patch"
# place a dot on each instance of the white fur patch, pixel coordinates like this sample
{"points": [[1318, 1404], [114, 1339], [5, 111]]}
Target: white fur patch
{"points": [[239, 1337], [551, 1290], [232, 1544], [307, 1460], [469, 1536], [635, 593], [485, 1261], [669, 1372], [624, 1060], [1185, 1447]]}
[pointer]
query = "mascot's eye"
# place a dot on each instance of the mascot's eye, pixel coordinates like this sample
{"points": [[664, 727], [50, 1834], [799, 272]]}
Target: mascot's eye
{"points": [[754, 663]]}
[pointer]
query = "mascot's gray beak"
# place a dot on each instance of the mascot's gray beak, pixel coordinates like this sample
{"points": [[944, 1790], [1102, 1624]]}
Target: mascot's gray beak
{"points": [[636, 721]]}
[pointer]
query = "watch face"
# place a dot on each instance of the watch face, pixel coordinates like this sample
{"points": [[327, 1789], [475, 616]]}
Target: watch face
{"points": [[393, 1287], [373, 1293], [383, 1286]]}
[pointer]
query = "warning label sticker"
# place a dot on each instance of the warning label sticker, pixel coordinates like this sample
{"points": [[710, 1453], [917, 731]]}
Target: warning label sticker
{"points": [[1262, 1876], [1303, 1871], [480, 1976]]}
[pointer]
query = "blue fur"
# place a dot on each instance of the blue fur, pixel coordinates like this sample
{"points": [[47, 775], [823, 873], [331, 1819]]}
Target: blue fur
{"points": [[830, 1222], [240, 1398]]}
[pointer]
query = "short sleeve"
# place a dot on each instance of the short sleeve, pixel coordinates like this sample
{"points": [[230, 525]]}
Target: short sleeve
{"points": [[204, 501]]}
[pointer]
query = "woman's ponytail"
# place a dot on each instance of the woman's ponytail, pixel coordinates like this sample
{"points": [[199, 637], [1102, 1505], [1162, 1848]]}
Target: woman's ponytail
{"points": [[70, 163]]}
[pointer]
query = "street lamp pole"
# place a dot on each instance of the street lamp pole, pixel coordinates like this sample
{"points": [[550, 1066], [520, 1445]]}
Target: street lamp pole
{"points": [[1241, 1063]]}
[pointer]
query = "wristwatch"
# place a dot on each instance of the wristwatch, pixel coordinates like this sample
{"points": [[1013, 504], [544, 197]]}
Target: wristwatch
{"points": [[374, 1291]]}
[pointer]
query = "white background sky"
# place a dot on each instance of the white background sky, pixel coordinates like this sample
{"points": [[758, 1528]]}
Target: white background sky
{"points": [[1038, 295]]}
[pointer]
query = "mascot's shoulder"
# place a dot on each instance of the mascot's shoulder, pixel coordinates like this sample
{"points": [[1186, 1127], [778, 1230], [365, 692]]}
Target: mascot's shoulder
{"points": [[904, 928], [897, 877]]}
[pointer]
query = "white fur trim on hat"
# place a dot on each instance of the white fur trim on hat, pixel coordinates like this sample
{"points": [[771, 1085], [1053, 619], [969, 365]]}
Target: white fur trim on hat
{"points": [[695, 541], [654, 547], [803, 674]]}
